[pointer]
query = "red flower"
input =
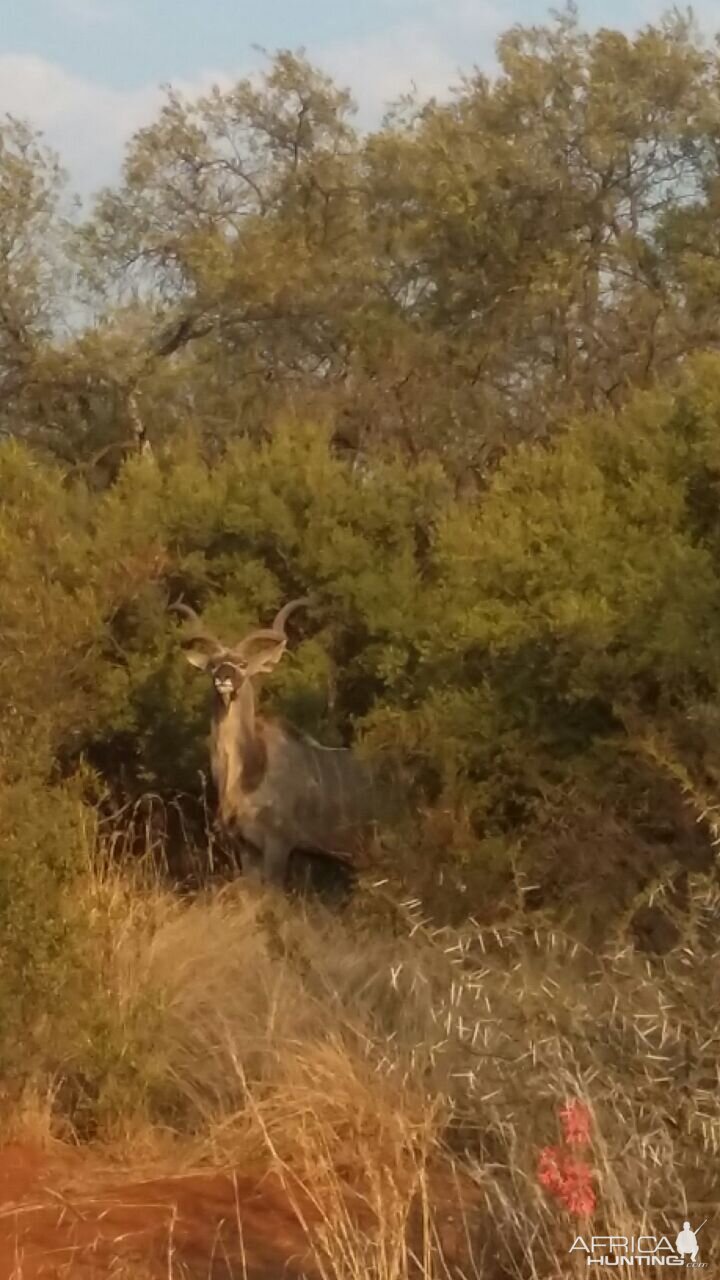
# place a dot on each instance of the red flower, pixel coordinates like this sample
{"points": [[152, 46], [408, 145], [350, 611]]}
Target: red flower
{"points": [[568, 1179], [575, 1119], [549, 1172]]}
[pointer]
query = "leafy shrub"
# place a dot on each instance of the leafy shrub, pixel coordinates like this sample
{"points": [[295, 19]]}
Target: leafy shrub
{"points": [[518, 653]]}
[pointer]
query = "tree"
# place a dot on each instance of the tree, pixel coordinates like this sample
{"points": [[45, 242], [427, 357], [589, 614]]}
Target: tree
{"points": [[464, 278], [527, 214], [30, 261]]}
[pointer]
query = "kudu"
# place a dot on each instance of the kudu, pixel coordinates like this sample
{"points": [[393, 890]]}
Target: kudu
{"points": [[278, 789]]}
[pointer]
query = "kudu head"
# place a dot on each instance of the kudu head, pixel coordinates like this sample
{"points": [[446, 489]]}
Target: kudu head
{"points": [[230, 666]]}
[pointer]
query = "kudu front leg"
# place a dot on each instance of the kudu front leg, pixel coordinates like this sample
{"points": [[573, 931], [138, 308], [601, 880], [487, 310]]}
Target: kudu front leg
{"points": [[251, 862], [275, 861]]}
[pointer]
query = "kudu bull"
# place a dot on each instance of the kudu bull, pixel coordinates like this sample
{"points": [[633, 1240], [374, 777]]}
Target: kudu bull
{"points": [[278, 789]]}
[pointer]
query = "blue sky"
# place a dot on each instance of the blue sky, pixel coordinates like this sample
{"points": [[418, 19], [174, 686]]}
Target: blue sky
{"points": [[126, 43], [88, 71]]}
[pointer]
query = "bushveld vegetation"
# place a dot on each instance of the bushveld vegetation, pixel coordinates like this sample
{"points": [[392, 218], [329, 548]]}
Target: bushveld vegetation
{"points": [[458, 379]]}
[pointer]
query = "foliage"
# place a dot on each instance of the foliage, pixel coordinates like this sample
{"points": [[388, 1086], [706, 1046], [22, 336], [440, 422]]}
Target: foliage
{"points": [[452, 379], [512, 653], [43, 839], [30, 263], [463, 278]]}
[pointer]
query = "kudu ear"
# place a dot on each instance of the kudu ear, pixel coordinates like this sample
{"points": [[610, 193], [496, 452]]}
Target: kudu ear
{"points": [[200, 646], [199, 653], [262, 650]]}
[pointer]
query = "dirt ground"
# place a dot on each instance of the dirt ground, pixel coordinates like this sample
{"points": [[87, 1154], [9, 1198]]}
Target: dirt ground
{"points": [[66, 1216], [63, 1217]]}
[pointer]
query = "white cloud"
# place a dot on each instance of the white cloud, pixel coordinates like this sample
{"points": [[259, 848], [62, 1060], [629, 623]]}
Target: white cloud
{"points": [[88, 123], [381, 68], [416, 53]]}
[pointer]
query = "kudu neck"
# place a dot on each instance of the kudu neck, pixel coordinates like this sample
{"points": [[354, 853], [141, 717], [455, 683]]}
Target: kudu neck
{"points": [[239, 715]]}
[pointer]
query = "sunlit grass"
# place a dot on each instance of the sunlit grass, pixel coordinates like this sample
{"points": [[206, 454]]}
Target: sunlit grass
{"points": [[401, 1084]]}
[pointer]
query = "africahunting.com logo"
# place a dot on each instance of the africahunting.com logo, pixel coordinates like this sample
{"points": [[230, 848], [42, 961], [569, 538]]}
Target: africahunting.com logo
{"points": [[642, 1251]]}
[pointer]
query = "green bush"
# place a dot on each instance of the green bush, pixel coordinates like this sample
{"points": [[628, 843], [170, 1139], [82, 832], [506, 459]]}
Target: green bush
{"points": [[514, 652], [42, 859]]}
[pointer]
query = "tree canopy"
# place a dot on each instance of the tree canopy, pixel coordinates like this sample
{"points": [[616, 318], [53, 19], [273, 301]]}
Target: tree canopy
{"points": [[462, 278]]}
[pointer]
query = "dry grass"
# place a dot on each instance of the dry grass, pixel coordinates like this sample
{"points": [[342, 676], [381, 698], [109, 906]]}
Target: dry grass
{"points": [[405, 1085]]}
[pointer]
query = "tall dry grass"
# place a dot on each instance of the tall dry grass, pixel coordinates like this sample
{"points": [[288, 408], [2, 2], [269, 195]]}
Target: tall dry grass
{"points": [[404, 1081]]}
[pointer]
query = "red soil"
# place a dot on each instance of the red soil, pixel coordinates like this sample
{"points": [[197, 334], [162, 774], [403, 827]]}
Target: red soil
{"points": [[63, 1216], [61, 1219]]}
